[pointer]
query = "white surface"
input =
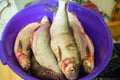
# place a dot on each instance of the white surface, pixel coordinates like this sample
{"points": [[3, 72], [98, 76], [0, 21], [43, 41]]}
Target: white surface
{"points": [[20, 4], [3, 4], [105, 5], [6, 14], [9, 11]]}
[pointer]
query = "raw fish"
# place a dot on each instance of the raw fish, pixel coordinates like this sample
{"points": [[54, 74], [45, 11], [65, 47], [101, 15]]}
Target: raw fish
{"points": [[22, 45], [63, 43], [42, 50], [84, 43]]}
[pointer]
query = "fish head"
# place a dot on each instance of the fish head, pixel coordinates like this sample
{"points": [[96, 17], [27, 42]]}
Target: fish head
{"points": [[70, 69], [25, 63], [88, 65], [23, 57]]}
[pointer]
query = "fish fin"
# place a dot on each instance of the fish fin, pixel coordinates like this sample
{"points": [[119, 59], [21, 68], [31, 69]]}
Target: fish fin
{"points": [[19, 49], [28, 47], [90, 46], [53, 9], [88, 50], [45, 21], [66, 2], [59, 54]]}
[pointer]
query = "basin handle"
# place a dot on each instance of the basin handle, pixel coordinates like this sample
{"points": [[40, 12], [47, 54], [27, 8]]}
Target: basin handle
{"points": [[3, 55]]}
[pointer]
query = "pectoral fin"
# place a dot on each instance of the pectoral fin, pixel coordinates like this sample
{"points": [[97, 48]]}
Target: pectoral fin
{"points": [[59, 54], [19, 49]]}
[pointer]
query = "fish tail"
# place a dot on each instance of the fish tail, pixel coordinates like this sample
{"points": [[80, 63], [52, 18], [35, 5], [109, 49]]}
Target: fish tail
{"points": [[22, 58], [45, 20], [63, 2]]}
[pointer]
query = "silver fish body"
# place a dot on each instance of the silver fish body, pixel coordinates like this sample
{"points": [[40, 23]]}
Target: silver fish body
{"points": [[84, 43], [41, 47], [22, 45], [63, 43]]}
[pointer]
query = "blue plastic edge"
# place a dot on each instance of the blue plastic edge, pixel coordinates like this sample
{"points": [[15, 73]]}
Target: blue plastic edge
{"points": [[0, 50], [2, 57]]}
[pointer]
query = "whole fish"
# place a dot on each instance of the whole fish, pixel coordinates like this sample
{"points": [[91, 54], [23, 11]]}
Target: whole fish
{"points": [[22, 45], [84, 43], [41, 47], [63, 43]]}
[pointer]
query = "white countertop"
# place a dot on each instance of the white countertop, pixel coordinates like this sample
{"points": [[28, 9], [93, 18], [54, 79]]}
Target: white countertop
{"points": [[6, 14]]}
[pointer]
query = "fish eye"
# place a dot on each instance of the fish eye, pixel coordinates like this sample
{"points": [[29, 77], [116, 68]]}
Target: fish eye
{"points": [[72, 70]]}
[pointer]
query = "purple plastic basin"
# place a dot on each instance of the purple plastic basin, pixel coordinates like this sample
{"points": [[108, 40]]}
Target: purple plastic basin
{"points": [[93, 23]]}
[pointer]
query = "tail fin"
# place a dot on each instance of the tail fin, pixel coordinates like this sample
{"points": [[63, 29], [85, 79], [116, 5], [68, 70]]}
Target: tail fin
{"points": [[65, 1], [45, 19], [62, 3]]}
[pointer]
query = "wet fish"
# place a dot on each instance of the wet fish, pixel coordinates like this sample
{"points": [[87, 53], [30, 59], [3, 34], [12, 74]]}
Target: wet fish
{"points": [[84, 43], [42, 50], [63, 43], [22, 45]]}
